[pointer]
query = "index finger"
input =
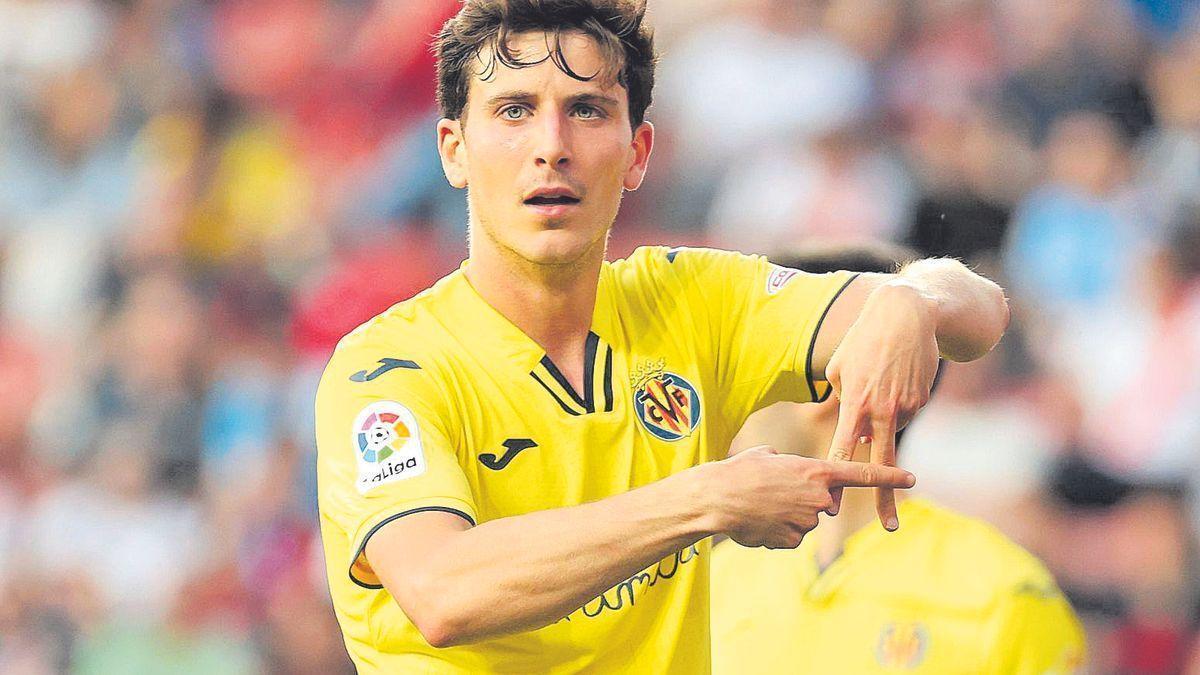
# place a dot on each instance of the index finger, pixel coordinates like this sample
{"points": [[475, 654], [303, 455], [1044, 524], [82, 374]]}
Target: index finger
{"points": [[862, 474]]}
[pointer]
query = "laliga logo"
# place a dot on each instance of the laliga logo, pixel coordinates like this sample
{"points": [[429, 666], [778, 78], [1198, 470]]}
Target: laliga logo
{"points": [[388, 442], [380, 435], [667, 405]]}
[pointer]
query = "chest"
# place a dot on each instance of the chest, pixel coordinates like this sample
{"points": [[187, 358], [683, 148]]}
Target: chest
{"points": [[888, 637], [531, 442]]}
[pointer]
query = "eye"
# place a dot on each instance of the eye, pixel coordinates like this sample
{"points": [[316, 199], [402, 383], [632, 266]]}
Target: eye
{"points": [[588, 112], [513, 112]]}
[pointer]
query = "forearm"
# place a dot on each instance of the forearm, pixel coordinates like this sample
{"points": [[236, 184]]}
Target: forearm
{"points": [[970, 311], [524, 572]]}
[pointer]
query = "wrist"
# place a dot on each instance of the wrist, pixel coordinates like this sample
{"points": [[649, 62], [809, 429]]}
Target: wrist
{"points": [[705, 487], [907, 295]]}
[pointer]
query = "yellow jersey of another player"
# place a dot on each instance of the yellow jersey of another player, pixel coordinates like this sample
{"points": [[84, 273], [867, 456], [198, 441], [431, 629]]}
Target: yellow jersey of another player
{"points": [[945, 594], [440, 403]]}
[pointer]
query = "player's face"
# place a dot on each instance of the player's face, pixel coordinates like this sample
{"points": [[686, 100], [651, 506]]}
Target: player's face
{"points": [[544, 156]]}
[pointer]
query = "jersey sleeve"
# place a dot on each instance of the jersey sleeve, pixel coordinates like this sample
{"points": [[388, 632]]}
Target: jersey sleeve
{"points": [[762, 322], [386, 448], [1037, 633]]}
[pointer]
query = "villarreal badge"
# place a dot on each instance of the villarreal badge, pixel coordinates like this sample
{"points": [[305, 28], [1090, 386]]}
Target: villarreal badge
{"points": [[666, 403], [902, 645]]}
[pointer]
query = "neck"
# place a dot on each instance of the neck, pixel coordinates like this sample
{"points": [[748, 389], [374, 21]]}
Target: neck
{"points": [[857, 512], [551, 303]]}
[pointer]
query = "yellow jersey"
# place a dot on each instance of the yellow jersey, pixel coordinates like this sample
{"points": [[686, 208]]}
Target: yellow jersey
{"points": [[440, 403], [944, 594]]}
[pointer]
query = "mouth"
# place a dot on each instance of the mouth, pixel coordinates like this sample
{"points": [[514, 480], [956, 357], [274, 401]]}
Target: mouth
{"points": [[546, 200], [552, 203]]}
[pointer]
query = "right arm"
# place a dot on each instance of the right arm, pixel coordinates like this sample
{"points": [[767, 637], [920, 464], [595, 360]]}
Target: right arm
{"points": [[460, 584]]}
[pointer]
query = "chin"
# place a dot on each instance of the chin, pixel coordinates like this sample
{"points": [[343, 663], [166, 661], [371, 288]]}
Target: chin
{"points": [[556, 247]]}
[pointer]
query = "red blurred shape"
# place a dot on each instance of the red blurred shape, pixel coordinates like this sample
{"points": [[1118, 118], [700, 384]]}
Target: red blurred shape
{"points": [[367, 279]]}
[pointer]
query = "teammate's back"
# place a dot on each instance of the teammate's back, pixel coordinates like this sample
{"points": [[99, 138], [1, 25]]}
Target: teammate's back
{"points": [[957, 597]]}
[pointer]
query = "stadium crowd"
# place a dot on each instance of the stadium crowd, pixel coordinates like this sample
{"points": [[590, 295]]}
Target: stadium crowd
{"points": [[198, 198]]}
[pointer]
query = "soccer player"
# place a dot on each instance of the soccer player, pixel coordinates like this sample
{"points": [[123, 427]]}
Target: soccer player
{"points": [[946, 594], [516, 468]]}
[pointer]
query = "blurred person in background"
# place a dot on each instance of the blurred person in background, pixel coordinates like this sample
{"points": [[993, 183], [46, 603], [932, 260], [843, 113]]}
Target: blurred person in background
{"points": [[778, 77], [1168, 156], [835, 186], [958, 596], [1069, 56], [1074, 243], [1134, 459], [970, 168]]}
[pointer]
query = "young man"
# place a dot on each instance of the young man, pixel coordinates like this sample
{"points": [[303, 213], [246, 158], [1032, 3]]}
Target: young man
{"points": [[946, 594], [515, 467]]}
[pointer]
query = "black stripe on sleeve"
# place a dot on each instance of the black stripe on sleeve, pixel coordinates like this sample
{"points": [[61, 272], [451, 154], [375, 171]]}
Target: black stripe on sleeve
{"points": [[562, 404], [812, 386], [363, 546], [608, 382]]}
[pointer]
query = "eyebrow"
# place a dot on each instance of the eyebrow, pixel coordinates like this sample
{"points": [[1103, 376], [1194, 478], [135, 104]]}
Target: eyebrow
{"points": [[509, 97], [595, 99], [525, 97]]}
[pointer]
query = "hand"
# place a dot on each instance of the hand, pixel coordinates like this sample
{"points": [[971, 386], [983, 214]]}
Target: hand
{"points": [[772, 500], [881, 374]]}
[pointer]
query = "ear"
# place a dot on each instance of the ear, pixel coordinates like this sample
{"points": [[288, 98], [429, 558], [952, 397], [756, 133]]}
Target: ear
{"points": [[453, 151], [639, 155]]}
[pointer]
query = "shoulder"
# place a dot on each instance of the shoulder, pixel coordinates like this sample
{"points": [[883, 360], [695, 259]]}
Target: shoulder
{"points": [[680, 258], [413, 317], [664, 265], [984, 564], [408, 336]]}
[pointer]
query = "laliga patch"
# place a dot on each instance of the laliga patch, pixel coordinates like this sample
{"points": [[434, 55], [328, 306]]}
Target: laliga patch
{"points": [[667, 404], [388, 444], [779, 277]]}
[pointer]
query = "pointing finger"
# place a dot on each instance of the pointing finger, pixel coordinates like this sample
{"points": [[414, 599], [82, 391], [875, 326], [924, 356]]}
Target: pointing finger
{"points": [[862, 474]]}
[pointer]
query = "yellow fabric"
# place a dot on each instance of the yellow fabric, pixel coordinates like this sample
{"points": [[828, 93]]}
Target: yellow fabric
{"points": [[259, 200], [695, 331], [944, 594]]}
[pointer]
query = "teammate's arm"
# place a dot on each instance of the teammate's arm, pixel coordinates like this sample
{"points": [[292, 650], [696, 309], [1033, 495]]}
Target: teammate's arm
{"points": [[460, 584], [879, 346]]}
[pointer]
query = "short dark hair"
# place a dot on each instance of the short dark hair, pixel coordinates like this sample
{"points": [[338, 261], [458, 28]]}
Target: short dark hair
{"points": [[486, 25], [876, 256]]}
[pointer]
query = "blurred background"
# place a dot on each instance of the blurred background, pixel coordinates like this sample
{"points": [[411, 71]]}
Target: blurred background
{"points": [[198, 198]]}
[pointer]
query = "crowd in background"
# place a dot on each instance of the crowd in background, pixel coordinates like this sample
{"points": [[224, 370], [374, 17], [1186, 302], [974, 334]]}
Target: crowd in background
{"points": [[199, 197]]}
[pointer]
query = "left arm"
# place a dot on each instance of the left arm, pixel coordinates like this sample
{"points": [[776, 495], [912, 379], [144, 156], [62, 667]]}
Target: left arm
{"points": [[879, 347], [968, 312]]}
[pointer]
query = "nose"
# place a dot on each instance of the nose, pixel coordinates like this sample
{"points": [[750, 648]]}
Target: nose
{"points": [[553, 142]]}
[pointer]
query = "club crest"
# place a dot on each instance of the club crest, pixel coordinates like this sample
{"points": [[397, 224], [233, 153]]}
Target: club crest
{"points": [[902, 645], [667, 404]]}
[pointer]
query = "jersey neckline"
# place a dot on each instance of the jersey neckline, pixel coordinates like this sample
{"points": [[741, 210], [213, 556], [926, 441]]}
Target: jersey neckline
{"points": [[483, 327]]}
